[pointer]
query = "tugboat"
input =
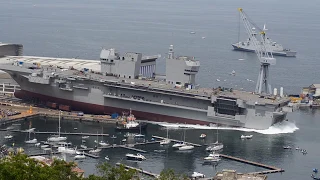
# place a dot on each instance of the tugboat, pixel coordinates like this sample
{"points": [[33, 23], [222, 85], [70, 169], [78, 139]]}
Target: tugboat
{"points": [[129, 123]]}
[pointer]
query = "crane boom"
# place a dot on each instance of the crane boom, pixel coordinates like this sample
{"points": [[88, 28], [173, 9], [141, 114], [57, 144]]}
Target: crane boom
{"points": [[265, 57]]}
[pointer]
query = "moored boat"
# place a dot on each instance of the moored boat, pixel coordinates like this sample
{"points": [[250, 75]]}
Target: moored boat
{"points": [[202, 136], [129, 123], [197, 175], [138, 157], [186, 147], [246, 137], [8, 137]]}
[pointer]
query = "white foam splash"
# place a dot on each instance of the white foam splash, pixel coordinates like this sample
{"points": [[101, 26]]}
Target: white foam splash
{"points": [[279, 128]]}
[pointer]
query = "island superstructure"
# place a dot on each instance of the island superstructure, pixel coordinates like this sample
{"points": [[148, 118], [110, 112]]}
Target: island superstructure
{"points": [[120, 85]]}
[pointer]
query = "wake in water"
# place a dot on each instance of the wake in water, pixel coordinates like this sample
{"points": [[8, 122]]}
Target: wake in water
{"points": [[279, 128]]}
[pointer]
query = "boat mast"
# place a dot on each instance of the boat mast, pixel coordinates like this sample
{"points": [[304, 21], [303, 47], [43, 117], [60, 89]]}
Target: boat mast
{"points": [[167, 133], [59, 121], [29, 129]]}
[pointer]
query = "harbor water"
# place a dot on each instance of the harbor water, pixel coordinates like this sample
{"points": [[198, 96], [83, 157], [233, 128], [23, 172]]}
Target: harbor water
{"points": [[78, 29], [265, 147]]}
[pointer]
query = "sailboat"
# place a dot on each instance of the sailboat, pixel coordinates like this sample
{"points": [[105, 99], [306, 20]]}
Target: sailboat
{"points": [[178, 144], [185, 146], [139, 135], [96, 149], [57, 138], [215, 146], [167, 140], [102, 143], [31, 141]]}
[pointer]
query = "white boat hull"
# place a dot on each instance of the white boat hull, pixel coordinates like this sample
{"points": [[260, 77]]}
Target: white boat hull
{"points": [[32, 141], [186, 147]]}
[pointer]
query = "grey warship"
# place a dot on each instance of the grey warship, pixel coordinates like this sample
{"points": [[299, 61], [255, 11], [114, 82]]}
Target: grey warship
{"points": [[128, 81]]}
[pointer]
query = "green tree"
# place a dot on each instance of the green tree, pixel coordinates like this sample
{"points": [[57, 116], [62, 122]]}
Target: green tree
{"points": [[169, 174], [108, 172], [20, 167]]}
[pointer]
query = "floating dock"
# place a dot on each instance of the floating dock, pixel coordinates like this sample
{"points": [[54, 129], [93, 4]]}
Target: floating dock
{"points": [[140, 170], [62, 133], [272, 169], [91, 155], [174, 140], [43, 154], [146, 143], [123, 146]]}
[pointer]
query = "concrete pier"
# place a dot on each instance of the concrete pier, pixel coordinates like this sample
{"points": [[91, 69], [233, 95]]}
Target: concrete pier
{"points": [[272, 169], [140, 170]]}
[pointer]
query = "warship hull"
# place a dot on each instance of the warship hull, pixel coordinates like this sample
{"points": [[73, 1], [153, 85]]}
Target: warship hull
{"points": [[118, 87], [276, 53], [96, 100], [99, 109]]}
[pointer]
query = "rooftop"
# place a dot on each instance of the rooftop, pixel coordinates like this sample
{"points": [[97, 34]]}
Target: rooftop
{"points": [[233, 175]]}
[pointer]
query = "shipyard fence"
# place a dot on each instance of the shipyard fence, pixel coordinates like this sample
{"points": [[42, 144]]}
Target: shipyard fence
{"points": [[7, 88]]}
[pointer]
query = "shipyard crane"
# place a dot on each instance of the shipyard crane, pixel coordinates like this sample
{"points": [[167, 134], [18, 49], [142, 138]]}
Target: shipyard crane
{"points": [[265, 57]]}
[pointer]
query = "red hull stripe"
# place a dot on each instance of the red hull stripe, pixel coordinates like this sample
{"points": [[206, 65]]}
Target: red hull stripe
{"points": [[99, 109]]}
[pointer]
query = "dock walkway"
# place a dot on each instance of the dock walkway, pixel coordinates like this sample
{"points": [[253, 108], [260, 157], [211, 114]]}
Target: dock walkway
{"points": [[62, 133], [174, 140], [140, 170], [123, 146], [272, 169]]}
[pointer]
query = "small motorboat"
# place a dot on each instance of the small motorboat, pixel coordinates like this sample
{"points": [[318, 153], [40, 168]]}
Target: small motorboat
{"points": [[297, 148], [75, 128], [213, 157], [85, 137], [67, 150], [246, 137], [83, 146], [8, 137], [80, 156], [202, 136], [287, 147], [197, 175], [137, 157], [95, 151], [186, 147], [107, 158], [124, 140], [304, 152], [44, 146], [313, 177], [31, 141], [102, 143]]}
